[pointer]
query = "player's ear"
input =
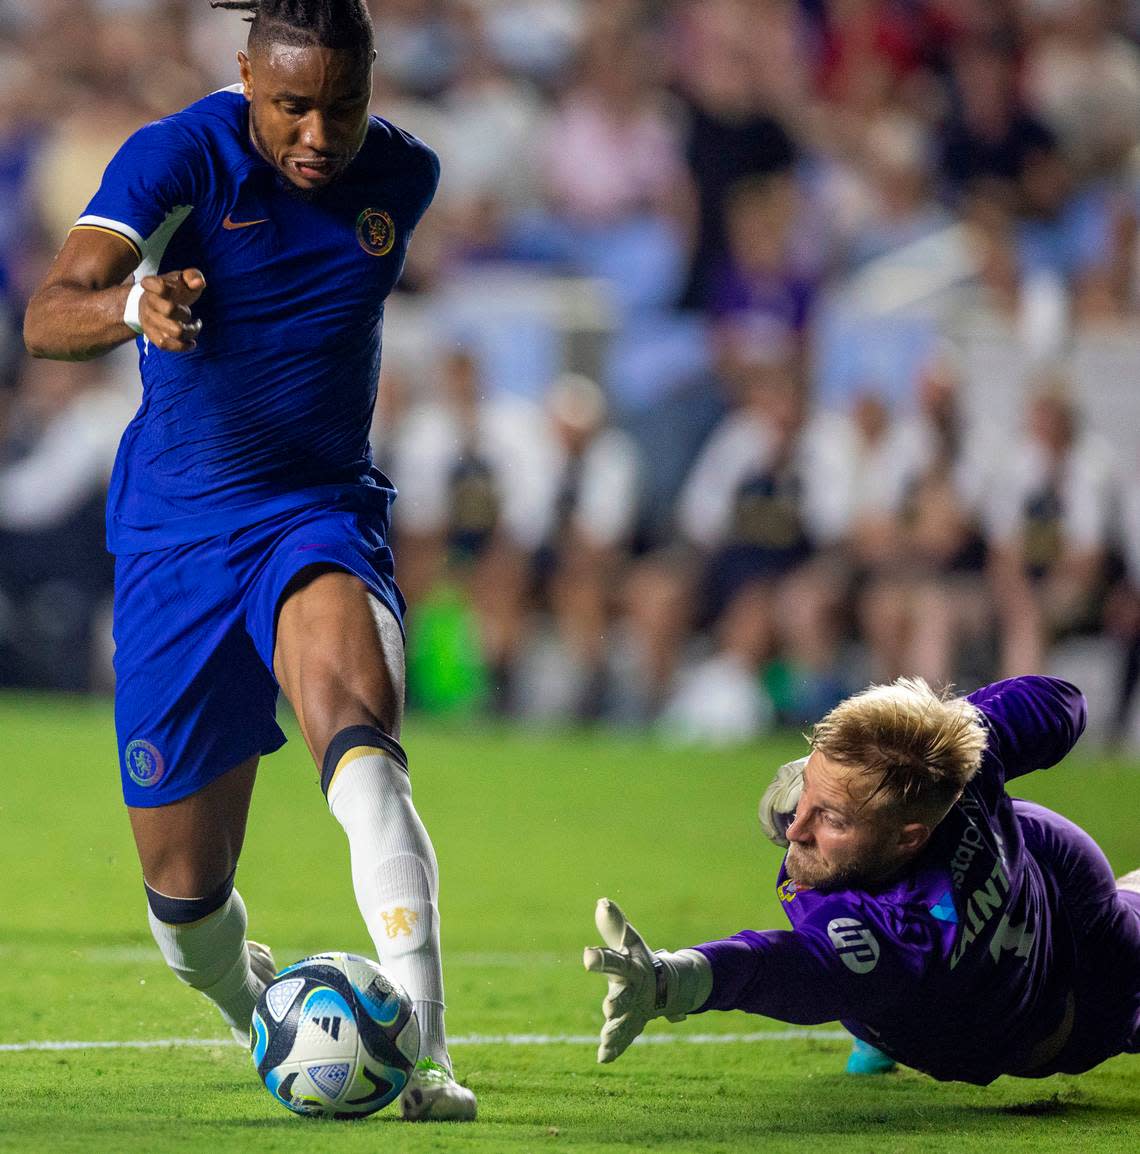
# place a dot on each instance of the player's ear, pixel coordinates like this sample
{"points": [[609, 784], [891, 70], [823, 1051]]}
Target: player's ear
{"points": [[246, 75], [913, 836]]}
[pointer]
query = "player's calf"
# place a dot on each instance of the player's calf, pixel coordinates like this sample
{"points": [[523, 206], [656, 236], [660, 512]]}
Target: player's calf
{"points": [[395, 877], [394, 870], [203, 942]]}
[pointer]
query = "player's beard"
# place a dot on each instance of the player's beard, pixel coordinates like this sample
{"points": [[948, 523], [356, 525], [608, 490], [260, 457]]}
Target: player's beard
{"points": [[807, 868]]}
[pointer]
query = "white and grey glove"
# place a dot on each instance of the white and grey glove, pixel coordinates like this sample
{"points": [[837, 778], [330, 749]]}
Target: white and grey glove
{"points": [[778, 805], [642, 984]]}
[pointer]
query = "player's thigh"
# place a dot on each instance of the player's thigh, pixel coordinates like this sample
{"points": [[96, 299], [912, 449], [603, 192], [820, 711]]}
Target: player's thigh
{"points": [[339, 656], [193, 703], [325, 614]]}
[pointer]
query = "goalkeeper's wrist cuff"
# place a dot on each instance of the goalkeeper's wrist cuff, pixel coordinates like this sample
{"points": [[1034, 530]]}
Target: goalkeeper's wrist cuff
{"points": [[683, 982]]}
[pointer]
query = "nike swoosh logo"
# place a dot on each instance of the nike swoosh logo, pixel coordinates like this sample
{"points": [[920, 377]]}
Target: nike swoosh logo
{"points": [[231, 224]]}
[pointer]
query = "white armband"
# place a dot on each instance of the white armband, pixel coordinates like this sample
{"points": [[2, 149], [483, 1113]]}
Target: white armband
{"points": [[131, 309]]}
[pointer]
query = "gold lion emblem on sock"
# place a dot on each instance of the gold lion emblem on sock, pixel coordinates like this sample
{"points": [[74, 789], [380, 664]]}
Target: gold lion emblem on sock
{"points": [[399, 921]]}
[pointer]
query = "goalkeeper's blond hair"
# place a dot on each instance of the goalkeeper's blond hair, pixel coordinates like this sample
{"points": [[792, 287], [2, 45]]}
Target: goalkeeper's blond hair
{"points": [[917, 747]]}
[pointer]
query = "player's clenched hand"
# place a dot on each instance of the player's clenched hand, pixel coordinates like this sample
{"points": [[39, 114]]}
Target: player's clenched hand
{"points": [[164, 309], [778, 805], [643, 984]]}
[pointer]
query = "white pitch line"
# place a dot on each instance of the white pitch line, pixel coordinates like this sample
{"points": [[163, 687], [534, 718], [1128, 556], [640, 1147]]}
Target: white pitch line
{"points": [[464, 1040], [149, 955]]}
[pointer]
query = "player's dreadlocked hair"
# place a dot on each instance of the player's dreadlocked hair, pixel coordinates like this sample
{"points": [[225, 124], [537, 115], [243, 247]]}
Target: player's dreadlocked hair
{"points": [[342, 24]]}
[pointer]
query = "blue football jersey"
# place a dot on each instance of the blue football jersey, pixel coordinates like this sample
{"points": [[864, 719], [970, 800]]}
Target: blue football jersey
{"points": [[273, 407]]}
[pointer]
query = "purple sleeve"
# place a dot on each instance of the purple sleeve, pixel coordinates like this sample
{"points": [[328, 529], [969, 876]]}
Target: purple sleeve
{"points": [[776, 973], [836, 968], [1032, 721]]}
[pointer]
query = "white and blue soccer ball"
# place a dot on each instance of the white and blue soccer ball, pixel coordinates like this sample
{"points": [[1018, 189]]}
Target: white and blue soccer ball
{"points": [[333, 1035]]}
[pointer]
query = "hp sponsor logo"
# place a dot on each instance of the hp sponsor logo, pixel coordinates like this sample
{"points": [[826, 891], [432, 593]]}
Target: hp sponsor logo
{"points": [[854, 943]]}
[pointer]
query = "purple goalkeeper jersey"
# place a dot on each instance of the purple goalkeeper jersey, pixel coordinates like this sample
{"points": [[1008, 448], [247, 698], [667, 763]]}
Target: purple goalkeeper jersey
{"points": [[978, 960]]}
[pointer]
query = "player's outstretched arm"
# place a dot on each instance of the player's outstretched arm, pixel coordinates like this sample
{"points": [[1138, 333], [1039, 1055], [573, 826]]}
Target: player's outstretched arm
{"points": [[642, 984], [80, 311]]}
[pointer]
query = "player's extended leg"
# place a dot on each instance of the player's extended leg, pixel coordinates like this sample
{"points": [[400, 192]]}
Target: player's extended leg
{"points": [[1105, 914], [189, 852], [339, 659], [866, 1059]]}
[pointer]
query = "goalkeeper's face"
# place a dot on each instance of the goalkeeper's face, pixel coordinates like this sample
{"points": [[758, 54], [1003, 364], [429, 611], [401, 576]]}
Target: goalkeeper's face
{"points": [[843, 837]]}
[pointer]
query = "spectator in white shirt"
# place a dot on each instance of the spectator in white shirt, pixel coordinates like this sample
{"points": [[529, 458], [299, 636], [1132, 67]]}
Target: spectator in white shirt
{"points": [[595, 497], [767, 502], [476, 488], [1048, 520], [919, 547]]}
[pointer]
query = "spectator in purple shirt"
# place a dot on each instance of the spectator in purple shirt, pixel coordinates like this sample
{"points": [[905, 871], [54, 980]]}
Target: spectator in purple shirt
{"points": [[956, 929]]}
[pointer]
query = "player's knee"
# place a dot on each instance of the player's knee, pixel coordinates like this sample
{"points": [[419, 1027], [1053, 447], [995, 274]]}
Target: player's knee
{"points": [[181, 911], [348, 699]]}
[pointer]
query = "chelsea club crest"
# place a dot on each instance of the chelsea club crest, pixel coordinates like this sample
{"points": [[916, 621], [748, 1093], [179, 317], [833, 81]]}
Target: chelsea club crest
{"points": [[144, 763], [375, 232]]}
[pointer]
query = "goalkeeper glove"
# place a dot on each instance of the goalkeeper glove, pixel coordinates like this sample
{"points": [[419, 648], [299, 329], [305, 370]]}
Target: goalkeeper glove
{"points": [[642, 984], [778, 805]]}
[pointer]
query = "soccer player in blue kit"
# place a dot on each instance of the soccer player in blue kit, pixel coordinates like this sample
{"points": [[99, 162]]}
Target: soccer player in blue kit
{"points": [[248, 242], [953, 928]]}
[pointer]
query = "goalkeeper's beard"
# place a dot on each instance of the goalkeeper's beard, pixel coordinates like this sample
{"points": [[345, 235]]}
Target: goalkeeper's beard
{"points": [[807, 868]]}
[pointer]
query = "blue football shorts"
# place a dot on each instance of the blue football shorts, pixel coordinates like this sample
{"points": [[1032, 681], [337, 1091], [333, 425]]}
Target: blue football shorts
{"points": [[195, 626]]}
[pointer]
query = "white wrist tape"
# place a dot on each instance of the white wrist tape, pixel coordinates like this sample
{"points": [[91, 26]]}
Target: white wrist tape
{"points": [[682, 982], [131, 309]]}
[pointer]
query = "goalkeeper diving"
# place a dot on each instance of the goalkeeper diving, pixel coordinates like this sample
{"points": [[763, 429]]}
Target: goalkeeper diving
{"points": [[948, 926]]}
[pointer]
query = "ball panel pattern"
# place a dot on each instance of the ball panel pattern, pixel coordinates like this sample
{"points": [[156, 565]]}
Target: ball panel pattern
{"points": [[333, 1035]]}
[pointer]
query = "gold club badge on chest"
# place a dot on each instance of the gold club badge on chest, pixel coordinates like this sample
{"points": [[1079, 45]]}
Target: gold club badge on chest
{"points": [[375, 232]]}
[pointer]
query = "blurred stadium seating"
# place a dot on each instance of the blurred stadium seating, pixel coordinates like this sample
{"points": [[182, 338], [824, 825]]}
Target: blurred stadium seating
{"points": [[875, 260]]}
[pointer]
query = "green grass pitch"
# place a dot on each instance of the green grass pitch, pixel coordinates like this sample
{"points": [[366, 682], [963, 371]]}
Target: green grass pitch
{"points": [[530, 830]]}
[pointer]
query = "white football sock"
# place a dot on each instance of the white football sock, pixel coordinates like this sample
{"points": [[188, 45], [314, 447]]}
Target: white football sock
{"points": [[211, 956], [396, 879]]}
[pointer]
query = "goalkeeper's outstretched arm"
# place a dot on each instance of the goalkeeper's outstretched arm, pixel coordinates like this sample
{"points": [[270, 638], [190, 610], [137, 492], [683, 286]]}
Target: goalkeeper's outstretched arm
{"points": [[778, 973]]}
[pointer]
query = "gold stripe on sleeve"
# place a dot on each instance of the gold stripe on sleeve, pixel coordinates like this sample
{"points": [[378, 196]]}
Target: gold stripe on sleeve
{"points": [[110, 232]]}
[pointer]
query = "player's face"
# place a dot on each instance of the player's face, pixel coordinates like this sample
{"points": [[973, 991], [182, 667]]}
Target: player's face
{"points": [[840, 839], [308, 110]]}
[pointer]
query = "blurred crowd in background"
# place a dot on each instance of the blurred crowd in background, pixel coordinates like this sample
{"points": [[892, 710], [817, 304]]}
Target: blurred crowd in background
{"points": [[751, 351]]}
